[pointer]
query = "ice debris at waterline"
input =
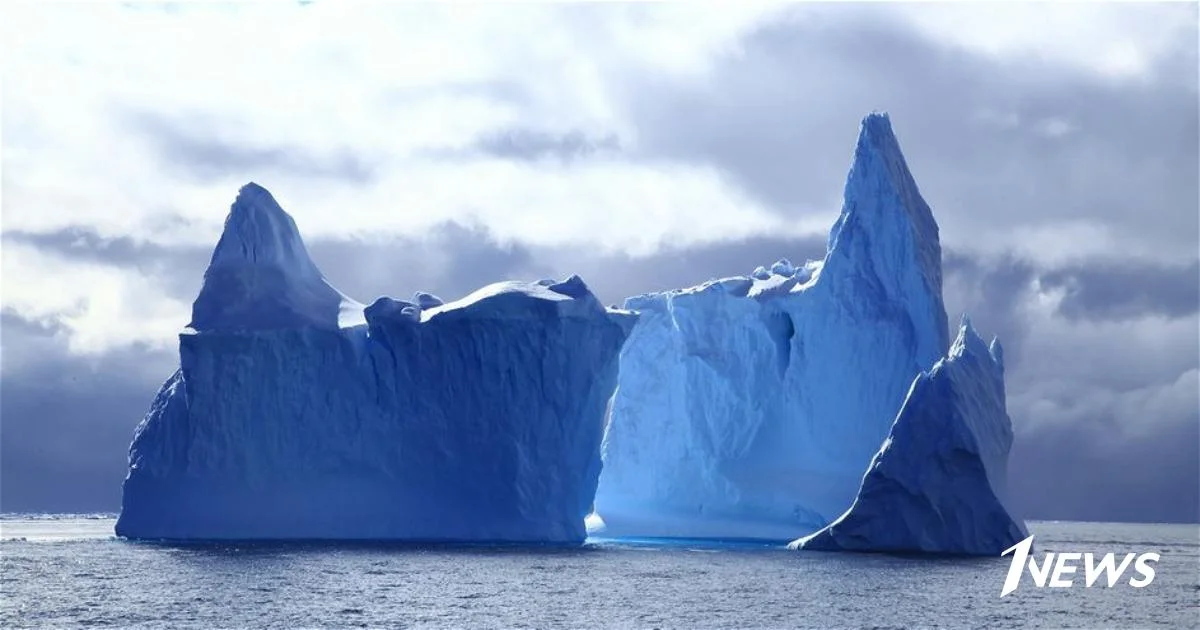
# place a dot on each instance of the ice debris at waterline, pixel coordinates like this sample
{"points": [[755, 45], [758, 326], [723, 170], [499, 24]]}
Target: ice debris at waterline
{"points": [[298, 414], [937, 482], [749, 407]]}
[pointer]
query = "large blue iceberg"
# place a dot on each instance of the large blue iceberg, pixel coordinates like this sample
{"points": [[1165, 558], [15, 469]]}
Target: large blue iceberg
{"points": [[936, 484], [298, 414], [745, 407], [748, 407]]}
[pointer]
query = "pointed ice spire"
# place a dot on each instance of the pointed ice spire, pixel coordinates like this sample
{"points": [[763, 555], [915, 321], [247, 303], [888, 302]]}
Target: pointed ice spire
{"points": [[886, 237], [261, 276], [997, 352], [880, 186], [258, 231], [968, 340]]}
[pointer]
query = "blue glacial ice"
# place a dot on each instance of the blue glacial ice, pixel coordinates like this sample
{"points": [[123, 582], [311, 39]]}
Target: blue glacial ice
{"points": [[937, 483], [748, 407], [297, 413]]}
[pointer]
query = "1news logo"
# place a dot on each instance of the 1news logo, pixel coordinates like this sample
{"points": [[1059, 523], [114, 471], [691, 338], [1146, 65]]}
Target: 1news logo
{"points": [[1064, 565]]}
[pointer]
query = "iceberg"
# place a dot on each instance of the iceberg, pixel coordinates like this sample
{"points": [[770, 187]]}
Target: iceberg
{"points": [[748, 407], [937, 483], [296, 413]]}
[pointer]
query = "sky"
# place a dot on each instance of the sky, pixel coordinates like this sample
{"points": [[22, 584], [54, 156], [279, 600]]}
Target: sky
{"points": [[644, 147]]}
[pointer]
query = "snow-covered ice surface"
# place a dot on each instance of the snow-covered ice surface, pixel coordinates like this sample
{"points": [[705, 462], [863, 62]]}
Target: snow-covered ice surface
{"points": [[298, 414], [937, 483], [748, 407]]}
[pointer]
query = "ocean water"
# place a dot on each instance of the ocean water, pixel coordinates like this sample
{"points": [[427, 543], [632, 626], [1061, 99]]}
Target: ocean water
{"points": [[66, 572]]}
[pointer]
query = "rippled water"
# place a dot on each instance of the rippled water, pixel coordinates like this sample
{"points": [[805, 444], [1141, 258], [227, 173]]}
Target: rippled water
{"points": [[66, 572]]}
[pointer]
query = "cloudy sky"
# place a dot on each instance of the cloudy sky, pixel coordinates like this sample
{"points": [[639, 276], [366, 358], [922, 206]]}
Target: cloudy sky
{"points": [[642, 146]]}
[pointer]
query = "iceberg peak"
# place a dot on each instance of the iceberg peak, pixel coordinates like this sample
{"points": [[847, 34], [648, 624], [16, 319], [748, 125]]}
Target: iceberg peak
{"points": [[877, 147], [258, 231], [261, 276], [876, 130], [886, 231], [968, 341], [879, 185]]}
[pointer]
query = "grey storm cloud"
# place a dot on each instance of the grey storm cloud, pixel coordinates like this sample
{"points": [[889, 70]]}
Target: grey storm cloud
{"points": [[1066, 472], [1112, 290], [524, 144], [777, 114], [994, 145], [192, 146], [992, 292], [172, 266], [67, 421], [528, 144], [85, 245]]}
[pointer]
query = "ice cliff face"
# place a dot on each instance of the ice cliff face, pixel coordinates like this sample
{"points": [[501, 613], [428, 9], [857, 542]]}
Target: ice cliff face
{"points": [[297, 414], [937, 483], [749, 406]]}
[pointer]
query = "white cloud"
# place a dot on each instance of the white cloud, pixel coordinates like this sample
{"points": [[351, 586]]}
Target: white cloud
{"points": [[101, 307], [1059, 241], [393, 85], [1056, 127], [326, 77], [1119, 41], [1140, 372], [1004, 120]]}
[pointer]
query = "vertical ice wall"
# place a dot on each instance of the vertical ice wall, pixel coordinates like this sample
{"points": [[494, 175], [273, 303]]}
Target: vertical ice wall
{"points": [[749, 406], [297, 414]]}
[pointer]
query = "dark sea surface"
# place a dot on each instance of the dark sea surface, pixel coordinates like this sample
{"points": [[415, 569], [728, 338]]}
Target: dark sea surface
{"points": [[70, 572]]}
